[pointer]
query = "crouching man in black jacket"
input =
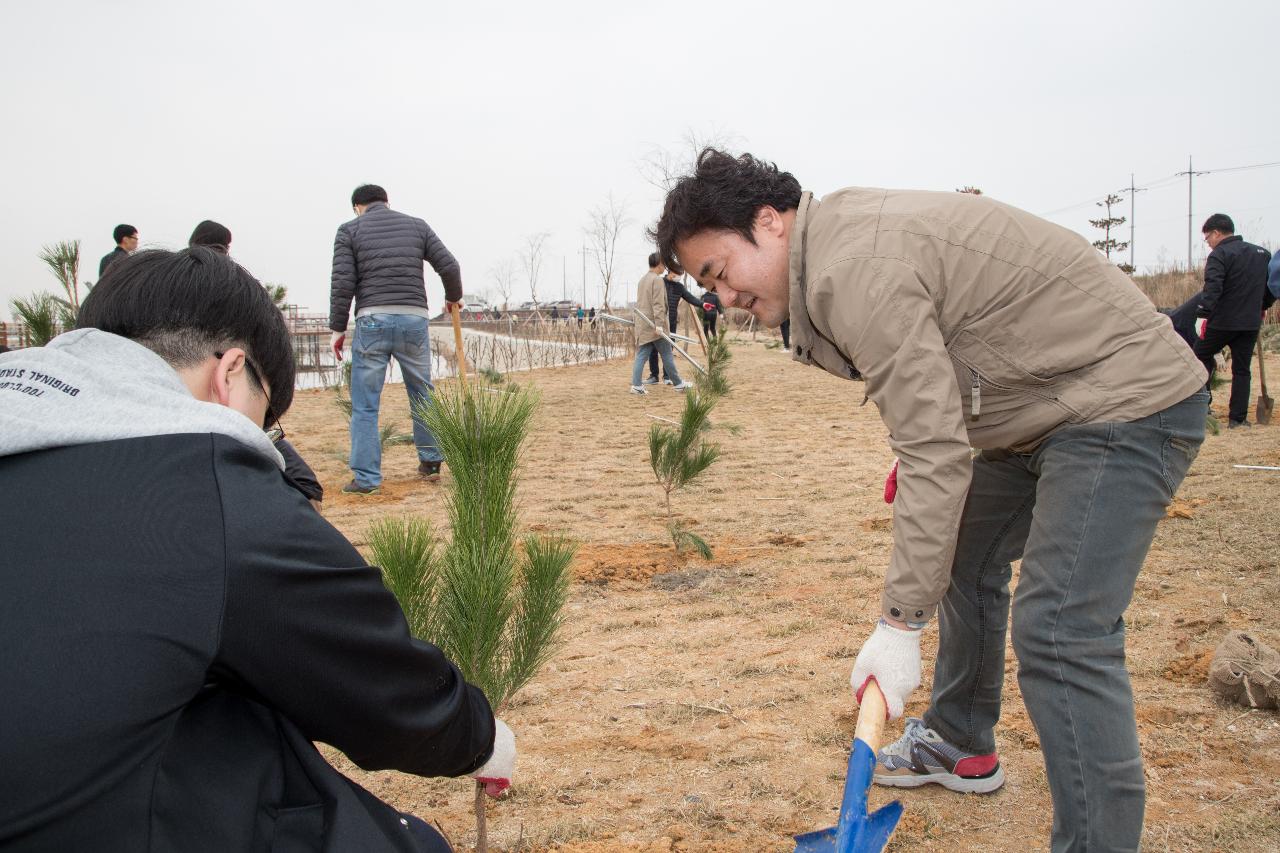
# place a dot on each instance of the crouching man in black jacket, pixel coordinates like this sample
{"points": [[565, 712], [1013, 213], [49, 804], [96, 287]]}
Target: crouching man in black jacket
{"points": [[178, 625]]}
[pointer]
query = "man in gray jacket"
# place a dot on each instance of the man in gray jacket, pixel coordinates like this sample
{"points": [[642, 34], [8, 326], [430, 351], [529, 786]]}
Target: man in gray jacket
{"points": [[974, 324], [377, 260]]}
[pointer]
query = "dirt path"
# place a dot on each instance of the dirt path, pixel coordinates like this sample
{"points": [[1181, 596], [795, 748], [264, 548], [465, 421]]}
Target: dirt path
{"points": [[704, 705]]}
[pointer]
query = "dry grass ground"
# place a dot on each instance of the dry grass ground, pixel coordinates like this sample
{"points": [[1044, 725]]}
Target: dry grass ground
{"points": [[705, 705]]}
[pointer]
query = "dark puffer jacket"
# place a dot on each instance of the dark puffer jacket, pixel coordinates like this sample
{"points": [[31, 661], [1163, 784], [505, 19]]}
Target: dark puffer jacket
{"points": [[377, 259]]}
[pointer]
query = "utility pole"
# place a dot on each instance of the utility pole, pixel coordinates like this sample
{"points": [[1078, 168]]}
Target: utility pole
{"points": [[584, 273], [1190, 173], [1132, 191], [564, 278]]}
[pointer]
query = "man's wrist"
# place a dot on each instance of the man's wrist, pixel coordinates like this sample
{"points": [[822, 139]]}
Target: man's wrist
{"points": [[901, 625]]}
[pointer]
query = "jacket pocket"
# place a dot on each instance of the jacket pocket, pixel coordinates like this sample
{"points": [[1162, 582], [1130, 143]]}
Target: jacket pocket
{"points": [[298, 829], [983, 367]]}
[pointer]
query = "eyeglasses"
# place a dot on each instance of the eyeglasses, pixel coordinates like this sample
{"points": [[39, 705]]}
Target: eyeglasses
{"points": [[275, 433]]}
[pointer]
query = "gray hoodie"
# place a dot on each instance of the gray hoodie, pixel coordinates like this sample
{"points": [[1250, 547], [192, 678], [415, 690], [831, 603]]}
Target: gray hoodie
{"points": [[88, 386]]}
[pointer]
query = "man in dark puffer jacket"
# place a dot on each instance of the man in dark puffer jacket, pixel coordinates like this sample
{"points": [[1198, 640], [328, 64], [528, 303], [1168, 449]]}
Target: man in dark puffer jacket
{"points": [[377, 259]]}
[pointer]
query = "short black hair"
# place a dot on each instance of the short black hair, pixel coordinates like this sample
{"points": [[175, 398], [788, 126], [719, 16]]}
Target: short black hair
{"points": [[185, 306], [1219, 222], [368, 194], [123, 231], [724, 193], [654, 259], [212, 234]]}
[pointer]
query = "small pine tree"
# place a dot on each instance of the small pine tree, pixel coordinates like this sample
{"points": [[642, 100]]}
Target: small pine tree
{"points": [[679, 455], [40, 314], [494, 608], [1107, 244]]}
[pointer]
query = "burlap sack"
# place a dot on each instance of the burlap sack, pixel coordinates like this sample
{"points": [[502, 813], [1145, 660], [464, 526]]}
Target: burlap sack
{"points": [[1246, 671]]}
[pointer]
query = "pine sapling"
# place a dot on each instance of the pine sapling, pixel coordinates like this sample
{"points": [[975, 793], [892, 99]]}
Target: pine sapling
{"points": [[491, 603], [680, 454]]}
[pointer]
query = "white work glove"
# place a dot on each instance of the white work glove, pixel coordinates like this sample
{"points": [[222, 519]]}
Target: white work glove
{"points": [[336, 340], [1201, 324], [496, 772], [892, 657]]}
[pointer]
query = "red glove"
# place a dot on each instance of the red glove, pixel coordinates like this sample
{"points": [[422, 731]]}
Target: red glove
{"points": [[1201, 324], [708, 307], [335, 343], [891, 483]]}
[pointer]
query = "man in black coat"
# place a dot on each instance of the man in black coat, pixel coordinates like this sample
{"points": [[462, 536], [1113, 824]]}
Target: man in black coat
{"points": [[178, 624], [126, 237], [1230, 311]]}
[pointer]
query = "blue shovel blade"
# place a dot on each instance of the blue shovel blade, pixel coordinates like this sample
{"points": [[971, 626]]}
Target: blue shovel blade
{"points": [[857, 831]]}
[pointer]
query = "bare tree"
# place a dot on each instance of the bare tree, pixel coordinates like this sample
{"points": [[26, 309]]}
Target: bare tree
{"points": [[969, 190], [504, 278], [605, 224], [531, 261], [662, 167]]}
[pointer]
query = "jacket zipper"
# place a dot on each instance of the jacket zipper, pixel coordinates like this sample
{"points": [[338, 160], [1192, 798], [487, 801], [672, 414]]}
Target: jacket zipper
{"points": [[975, 392]]}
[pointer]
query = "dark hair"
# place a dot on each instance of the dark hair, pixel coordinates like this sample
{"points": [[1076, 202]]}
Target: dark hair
{"points": [[654, 259], [123, 231], [368, 194], [724, 193], [212, 234], [1219, 222], [185, 306]]}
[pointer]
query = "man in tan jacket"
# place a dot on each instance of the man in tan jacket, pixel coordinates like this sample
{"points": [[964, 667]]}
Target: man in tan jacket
{"points": [[651, 301], [977, 325]]}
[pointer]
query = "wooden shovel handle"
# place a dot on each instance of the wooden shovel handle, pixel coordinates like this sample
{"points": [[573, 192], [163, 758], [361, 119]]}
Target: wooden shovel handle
{"points": [[1262, 373], [455, 314], [872, 713]]}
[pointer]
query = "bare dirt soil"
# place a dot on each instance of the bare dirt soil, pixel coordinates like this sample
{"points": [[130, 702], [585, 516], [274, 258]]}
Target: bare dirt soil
{"points": [[704, 705]]}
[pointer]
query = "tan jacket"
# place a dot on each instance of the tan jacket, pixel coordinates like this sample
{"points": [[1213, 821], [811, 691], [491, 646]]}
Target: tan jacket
{"points": [[651, 298], [974, 324]]}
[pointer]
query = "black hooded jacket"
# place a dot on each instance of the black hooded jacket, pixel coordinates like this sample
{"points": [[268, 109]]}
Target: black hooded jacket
{"points": [[178, 625]]}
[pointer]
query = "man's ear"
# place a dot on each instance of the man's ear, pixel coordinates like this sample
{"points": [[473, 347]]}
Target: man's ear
{"points": [[769, 221], [220, 379]]}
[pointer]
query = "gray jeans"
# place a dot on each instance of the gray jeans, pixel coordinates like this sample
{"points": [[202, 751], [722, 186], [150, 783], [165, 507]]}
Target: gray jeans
{"points": [[1080, 512]]}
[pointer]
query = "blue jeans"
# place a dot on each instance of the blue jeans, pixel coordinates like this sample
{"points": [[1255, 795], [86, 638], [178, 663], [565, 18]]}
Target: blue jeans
{"points": [[1080, 512], [379, 337], [663, 347]]}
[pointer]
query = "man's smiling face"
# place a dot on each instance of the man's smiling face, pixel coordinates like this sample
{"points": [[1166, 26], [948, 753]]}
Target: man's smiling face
{"points": [[745, 275]]}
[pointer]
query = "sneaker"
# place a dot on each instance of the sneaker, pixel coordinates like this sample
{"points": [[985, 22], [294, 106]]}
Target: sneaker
{"points": [[651, 380], [683, 386], [429, 471], [921, 756], [1235, 424], [354, 488], [637, 389], [667, 382]]}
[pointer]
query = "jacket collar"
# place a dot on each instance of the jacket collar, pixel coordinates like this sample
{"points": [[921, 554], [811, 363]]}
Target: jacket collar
{"points": [[808, 344]]}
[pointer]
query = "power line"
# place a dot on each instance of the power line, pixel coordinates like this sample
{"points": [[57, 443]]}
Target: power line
{"points": [[1162, 182]]}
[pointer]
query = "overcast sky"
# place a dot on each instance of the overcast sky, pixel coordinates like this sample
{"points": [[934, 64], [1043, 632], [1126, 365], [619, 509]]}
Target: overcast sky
{"points": [[494, 121]]}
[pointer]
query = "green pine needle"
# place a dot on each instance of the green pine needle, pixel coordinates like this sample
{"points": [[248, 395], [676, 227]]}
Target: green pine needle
{"points": [[492, 605]]}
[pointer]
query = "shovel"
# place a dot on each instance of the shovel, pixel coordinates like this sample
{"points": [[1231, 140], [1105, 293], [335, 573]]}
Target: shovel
{"points": [[857, 831], [456, 314], [1262, 414]]}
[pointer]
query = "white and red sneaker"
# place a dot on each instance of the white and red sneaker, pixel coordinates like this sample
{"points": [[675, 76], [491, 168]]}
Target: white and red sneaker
{"points": [[921, 756]]}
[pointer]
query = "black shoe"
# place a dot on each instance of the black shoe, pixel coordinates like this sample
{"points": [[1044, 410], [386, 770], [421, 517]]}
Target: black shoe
{"points": [[429, 471], [354, 488], [1234, 424]]}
